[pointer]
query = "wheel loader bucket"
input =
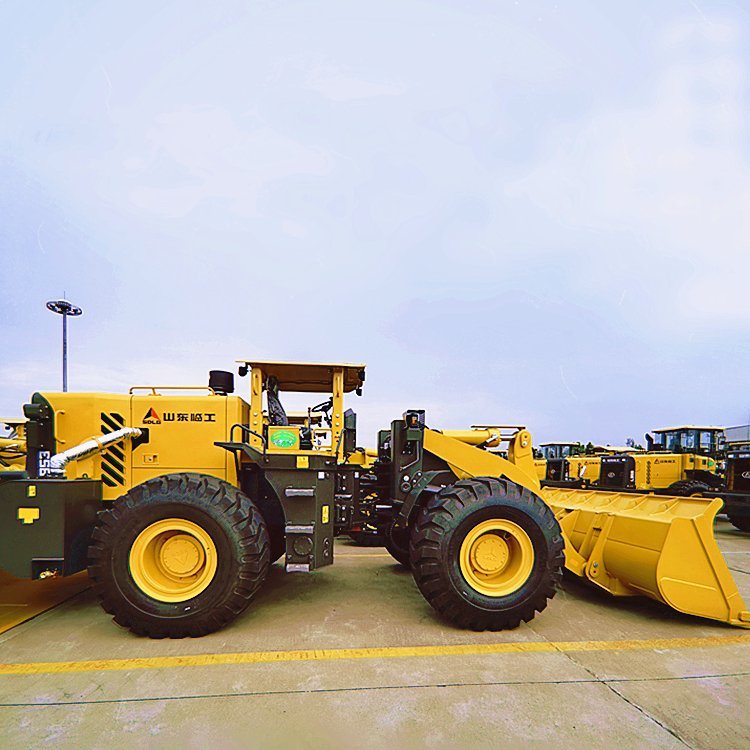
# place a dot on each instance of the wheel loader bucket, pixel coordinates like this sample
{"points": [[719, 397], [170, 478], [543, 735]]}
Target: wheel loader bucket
{"points": [[660, 546]]}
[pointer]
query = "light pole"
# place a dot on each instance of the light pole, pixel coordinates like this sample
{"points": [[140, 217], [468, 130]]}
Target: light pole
{"points": [[64, 308]]}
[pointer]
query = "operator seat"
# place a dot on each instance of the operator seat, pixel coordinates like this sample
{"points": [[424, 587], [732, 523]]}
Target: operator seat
{"points": [[276, 412]]}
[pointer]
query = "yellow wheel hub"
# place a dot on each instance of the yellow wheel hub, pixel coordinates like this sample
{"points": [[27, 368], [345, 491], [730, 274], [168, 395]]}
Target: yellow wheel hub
{"points": [[172, 560], [496, 557]]}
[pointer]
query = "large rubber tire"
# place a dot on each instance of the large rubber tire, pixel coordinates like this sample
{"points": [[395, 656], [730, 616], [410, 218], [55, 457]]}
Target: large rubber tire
{"points": [[688, 488], [225, 514], [739, 522], [446, 521], [397, 543]]}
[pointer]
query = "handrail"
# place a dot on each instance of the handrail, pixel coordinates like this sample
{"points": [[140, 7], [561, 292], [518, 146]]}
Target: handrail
{"points": [[247, 431], [153, 388], [500, 435]]}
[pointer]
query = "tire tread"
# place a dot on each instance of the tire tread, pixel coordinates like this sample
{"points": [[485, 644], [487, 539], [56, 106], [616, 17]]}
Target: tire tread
{"points": [[434, 523], [244, 518]]}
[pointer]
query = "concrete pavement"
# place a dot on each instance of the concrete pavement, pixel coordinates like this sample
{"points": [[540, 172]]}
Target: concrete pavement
{"points": [[683, 684]]}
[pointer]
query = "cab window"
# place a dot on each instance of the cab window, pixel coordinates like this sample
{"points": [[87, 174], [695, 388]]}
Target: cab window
{"points": [[672, 441], [707, 440], [688, 440]]}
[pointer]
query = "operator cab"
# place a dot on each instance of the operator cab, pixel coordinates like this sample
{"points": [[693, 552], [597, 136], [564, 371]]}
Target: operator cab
{"points": [[324, 427], [552, 451], [707, 441]]}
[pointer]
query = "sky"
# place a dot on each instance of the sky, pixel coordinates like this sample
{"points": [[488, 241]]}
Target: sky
{"points": [[527, 213]]}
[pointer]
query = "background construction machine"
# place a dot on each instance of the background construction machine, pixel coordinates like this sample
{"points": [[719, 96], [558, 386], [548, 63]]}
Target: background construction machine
{"points": [[687, 460], [679, 460], [697, 450], [179, 501], [552, 459], [677, 474], [736, 488], [574, 462], [12, 444]]}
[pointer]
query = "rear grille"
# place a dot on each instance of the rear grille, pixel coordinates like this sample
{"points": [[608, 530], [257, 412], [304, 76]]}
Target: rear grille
{"points": [[616, 471], [113, 458], [738, 472]]}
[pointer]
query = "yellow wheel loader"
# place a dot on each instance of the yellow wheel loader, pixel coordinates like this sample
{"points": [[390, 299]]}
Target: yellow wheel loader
{"points": [[575, 462], [679, 461], [554, 459], [12, 444], [178, 500]]}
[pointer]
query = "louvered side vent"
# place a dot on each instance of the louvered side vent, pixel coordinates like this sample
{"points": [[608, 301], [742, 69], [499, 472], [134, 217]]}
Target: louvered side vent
{"points": [[113, 458]]}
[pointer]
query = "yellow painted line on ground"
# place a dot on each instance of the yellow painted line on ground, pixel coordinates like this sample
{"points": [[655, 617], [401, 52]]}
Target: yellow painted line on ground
{"points": [[388, 652]]}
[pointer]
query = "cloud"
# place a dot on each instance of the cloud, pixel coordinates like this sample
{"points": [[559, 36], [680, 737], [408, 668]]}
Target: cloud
{"points": [[341, 86], [492, 208], [213, 157], [671, 174]]}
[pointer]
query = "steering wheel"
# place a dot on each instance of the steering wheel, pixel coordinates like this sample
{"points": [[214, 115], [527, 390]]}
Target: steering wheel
{"points": [[325, 407]]}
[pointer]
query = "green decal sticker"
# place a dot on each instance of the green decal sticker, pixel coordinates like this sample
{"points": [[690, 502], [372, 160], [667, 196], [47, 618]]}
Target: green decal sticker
{"points": [[283, 438]]}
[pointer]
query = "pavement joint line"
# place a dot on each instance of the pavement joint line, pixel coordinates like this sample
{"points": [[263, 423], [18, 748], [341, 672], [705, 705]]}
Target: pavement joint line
{"points": [[355, 555], [384, 652], [363, 688], [621, 696]]}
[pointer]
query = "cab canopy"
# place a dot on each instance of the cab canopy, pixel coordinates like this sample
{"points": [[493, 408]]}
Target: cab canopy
{"points": [[739, 434], [271, 378], [560, 449], [687, 439], [687, 427], [308, 377]]}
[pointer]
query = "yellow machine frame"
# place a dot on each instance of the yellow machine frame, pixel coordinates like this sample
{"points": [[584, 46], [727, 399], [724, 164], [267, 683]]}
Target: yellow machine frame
{"points": [[178, 439]]}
